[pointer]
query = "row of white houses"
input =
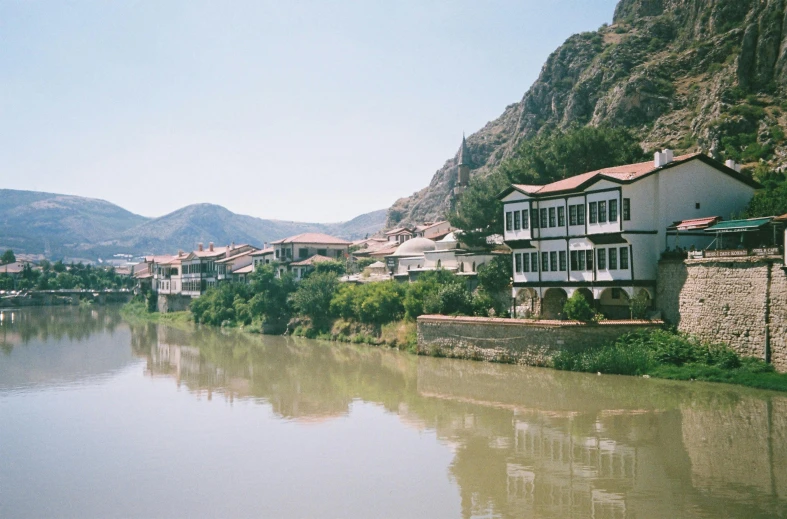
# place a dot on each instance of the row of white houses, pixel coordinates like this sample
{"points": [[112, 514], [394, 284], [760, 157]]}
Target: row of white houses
{"points": [[193, 273], [603, 232]]}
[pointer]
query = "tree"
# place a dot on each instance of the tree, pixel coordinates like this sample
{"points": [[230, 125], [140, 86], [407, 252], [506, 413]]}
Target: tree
{"points": [[541, 160], [494, 282], [7, 257], [577, 308], [313, 297], [771, 201], [271, 300]]}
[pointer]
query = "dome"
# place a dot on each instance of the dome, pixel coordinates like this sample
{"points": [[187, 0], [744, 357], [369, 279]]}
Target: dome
{"points": [[415, 247], [450, 237]]}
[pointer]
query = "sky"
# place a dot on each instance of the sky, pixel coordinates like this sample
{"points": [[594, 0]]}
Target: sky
{"points": [[291, 110]]}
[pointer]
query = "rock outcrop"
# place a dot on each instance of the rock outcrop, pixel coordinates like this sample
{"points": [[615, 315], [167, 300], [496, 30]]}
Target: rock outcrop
{"points": [[687, 74]]}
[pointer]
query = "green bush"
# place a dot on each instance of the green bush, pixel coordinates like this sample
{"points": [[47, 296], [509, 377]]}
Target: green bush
{"points": [[313, 297], [577, 308]]}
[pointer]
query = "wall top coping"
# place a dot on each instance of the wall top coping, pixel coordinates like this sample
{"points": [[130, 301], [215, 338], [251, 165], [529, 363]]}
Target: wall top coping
{"points": [[725, 259], [461, 319]]}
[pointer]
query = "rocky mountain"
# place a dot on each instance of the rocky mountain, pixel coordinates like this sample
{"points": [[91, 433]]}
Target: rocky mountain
{"points": [[76, 227], [705, 75]]}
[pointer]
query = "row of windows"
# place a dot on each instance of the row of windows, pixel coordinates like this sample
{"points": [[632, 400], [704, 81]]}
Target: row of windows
{"points": [[555, 261], [598, 212]]}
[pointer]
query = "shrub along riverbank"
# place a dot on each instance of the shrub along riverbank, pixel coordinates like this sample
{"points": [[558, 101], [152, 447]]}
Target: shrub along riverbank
{"points": [[320, 306], [671, 355]]}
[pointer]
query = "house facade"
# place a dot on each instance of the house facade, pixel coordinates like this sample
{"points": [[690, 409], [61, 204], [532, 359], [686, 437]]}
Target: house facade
{"points": [[200, 268], [603, 232]]}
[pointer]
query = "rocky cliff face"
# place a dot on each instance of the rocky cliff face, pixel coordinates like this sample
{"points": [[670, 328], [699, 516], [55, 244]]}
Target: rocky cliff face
{"points": [[686, 74]]}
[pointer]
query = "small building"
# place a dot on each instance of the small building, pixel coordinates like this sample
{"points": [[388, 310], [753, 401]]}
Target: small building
{"points": [[433, 231], [300, 269], [304, 246], [261, 257], [400, 234], [200, 268], [602, 232], [226, 267]]}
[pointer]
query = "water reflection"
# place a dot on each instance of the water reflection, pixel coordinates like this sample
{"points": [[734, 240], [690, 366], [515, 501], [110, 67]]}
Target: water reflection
{"points": [[527, 442], [516, 442]]}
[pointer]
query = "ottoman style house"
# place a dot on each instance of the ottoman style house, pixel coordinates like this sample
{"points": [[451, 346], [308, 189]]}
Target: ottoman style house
{"points": [[603, 232]]}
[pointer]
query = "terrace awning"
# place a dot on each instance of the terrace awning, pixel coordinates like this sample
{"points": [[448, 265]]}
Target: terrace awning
{"points": [[607, 239], [752, 224], [694, 224]]}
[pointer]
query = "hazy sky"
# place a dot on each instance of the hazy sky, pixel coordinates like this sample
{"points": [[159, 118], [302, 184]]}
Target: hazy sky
{"points": [[296, 110]]}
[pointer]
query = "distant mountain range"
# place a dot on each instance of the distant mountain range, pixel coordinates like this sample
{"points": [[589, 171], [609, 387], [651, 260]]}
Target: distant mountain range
{"points": [[64, 226]]}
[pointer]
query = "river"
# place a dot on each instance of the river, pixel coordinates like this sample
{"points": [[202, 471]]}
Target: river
{"points": [[101, 418]]}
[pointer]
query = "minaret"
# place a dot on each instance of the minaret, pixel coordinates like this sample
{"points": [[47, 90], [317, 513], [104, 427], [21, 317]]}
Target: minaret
{"points": [[463, 177]]}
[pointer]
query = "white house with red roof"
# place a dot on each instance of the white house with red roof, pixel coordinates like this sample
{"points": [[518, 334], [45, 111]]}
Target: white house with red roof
{"points": [[200, 268], [603, 232], [296, 249]]}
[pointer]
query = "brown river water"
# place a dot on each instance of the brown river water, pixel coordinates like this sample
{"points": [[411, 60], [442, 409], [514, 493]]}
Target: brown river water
{"points": [[101, 418]]}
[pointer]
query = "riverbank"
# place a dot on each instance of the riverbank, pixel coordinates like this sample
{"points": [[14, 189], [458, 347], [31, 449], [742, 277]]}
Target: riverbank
{"points": [[398, 334], [137, 310], [675, 356]]}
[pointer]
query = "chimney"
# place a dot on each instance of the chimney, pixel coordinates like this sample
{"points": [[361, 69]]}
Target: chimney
{"points": [[210, 246], [733, 165], [658, 159], [667, 156], [180, 252], [232, 246], [199, 247]]}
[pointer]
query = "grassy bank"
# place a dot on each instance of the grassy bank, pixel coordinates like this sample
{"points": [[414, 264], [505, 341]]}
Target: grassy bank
{"points": [[398, 334], [671, 355], [137, 310]]}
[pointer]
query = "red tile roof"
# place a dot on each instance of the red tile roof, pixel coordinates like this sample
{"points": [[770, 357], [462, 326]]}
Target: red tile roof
{"points": [[317, 258], [244, 270], [236, 256], [262, 252], [313, 237], [627, 172]]}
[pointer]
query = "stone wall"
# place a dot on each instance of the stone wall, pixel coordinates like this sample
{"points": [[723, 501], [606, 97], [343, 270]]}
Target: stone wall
{"points": [[514, 340], [739, 302], [172, 303]]}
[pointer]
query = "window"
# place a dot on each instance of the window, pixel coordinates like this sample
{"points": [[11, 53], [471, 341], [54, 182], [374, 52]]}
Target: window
{"points": [[581, 214], [624, 258], [580, 260], [602, 259], [526, 262], [534, 217], [627, 209], [574, 262], [322, 252], [544, 262], [525, 219], [616, 293], [561, 216], [277, 253], [534, 261], [517, 223], [602, 212], [518, 261], [593, 212], [553, 261], [562, 257], [572, 214], [552, 217], [509, 220], [589, 257], [613, 210], [613, 259], [303, 253], [696, 205], [543, 218]]}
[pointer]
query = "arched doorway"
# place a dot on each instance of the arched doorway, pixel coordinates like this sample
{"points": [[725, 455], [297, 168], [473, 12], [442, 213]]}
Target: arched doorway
{"points": [[553, 302], [614, 303], [527, 303], [588, 295], [641, 304]]}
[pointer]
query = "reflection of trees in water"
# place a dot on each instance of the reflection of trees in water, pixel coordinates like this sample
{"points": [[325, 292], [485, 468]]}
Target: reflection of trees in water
{"points": [[55, 323], [527, 442], [300, 379]]}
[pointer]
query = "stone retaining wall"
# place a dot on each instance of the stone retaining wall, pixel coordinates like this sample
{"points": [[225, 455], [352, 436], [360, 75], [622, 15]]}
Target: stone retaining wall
{"points": [[172, 303], [739, 302], [514, 340]]}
